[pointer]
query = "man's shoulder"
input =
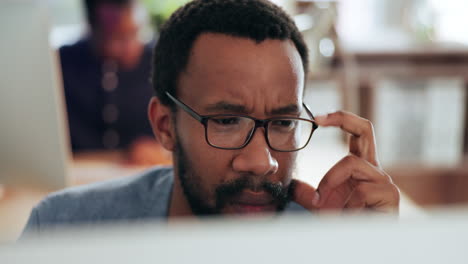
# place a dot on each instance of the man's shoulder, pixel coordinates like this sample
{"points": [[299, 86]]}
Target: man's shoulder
{"points": [[137, 197]]}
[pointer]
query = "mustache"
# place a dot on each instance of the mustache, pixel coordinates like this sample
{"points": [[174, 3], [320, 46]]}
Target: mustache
{"points": [[281, 195]]}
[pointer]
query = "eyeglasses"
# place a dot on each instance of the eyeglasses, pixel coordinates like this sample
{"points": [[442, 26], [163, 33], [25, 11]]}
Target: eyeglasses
{"points": [[225, 131]]}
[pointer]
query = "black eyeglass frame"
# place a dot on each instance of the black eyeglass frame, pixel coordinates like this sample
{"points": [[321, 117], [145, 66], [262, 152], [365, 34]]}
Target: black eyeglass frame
{"points": [[203, 119]]}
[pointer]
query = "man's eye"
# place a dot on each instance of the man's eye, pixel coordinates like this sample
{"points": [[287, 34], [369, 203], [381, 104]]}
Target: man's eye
{"points": [[226, 121]]}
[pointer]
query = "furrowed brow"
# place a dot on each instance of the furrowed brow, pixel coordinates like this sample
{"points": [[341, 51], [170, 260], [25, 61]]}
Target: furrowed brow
{"points": [[226, 107], [291, 109]]}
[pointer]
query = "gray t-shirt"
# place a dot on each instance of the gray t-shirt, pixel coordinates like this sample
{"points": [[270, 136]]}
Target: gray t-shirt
{"points": [[139, 198]]}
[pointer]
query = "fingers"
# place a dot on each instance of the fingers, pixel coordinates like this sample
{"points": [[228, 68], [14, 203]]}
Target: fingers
{"points": [[362, 142], [355, 200], [341, 179], [383, 197], [352, 183], [349, 122], [304, 194], [356, 182]]}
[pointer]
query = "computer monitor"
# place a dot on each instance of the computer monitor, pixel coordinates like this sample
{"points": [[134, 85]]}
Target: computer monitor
{"points": [[300, 239], [34, 144]]}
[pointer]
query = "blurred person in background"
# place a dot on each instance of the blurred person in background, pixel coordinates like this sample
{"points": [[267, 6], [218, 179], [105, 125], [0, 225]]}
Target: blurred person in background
{"points": [[229, 106], [106, 79]]}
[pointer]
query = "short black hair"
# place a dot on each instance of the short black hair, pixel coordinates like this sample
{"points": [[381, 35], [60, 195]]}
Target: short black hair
{"points": [[254, 19], [91, 5]]}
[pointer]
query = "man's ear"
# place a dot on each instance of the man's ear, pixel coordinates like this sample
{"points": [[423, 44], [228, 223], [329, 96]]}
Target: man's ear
{"points": [[161, 123]]}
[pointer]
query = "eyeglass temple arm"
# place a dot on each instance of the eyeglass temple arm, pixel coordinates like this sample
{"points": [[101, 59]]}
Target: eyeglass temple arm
{"points": [[310, 114], [308, 111], [185, 107]]}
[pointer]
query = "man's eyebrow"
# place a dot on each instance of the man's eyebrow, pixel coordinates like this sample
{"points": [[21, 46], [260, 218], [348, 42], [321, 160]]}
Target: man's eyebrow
{"points": [[286, 110], [224, 106]]}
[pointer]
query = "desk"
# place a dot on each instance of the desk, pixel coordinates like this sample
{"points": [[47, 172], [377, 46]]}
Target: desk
{"points": [[16, 203]]}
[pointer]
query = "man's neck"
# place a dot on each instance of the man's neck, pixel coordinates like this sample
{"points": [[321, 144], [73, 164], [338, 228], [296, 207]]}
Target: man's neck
{"points": [[179, 206]]}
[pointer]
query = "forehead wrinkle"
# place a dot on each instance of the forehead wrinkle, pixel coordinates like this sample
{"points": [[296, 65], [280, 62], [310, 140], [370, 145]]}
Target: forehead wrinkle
{"points": [[225, 106], [231, 101], [285, 110], [256, 89]]}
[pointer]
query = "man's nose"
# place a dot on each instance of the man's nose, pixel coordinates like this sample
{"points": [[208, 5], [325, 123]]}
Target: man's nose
{"points": [[256, 158]]}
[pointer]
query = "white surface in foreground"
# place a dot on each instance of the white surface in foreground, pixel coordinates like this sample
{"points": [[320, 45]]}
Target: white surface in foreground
{"points": [[440, 239]]}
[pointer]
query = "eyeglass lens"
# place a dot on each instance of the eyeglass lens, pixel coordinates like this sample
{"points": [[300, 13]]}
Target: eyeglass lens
{"points": [[285, 134]]}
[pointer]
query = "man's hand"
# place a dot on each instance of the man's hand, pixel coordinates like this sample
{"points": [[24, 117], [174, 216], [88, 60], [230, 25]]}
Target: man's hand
{"points": [[357, 181]]}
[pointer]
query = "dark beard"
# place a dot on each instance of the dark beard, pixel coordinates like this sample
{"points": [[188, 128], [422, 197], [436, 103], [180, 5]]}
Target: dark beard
{"points": [[194, 194]]}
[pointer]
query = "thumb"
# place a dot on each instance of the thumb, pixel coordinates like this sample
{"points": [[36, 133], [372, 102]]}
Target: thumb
{"points": [[305, 195]]}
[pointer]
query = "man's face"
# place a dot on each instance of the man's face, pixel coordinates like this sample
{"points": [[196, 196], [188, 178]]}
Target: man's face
{"points": [[117, 34], [231, 75]]}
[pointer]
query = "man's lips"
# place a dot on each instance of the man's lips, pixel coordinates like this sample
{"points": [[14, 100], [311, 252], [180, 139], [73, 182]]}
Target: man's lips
{"points": [[253, 198], [253, 202]]}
